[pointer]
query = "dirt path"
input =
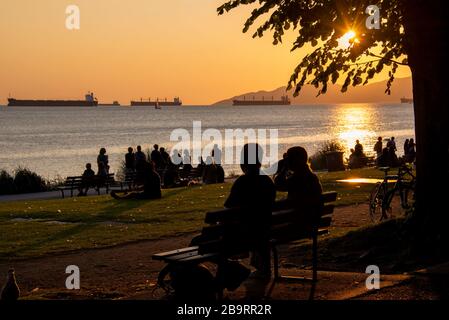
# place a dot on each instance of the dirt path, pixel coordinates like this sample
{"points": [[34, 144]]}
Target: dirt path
{"points": [[122, 271]]}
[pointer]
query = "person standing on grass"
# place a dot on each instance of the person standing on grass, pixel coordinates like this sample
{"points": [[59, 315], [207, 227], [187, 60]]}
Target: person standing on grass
{"points": [[156, 157], [140, 159], [130, 160], [378, 147], [406, 146], [104, 159], [411, 154]]}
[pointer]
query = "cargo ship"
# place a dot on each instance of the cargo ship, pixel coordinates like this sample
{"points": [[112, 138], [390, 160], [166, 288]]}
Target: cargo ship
{"points": [[157, 103], [406, 100], [115, 103], [89, 101], [283, 102]]}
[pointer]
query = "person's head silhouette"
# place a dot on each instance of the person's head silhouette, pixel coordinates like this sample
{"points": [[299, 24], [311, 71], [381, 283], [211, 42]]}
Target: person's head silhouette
{"points": [[251, 158], [209, 160], [139, 148], [130, 150], [297, 158], [156, 147]]}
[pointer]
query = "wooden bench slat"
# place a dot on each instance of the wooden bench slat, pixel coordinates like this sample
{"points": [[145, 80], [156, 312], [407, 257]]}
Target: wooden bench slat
{"points": [[325, 222], [163, 255], [329, 196], [327, 209], [200, 257], [181, 256]]}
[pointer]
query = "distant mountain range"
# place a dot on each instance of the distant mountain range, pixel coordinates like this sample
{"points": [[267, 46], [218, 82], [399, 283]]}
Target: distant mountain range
{"points": [[371, 93]]}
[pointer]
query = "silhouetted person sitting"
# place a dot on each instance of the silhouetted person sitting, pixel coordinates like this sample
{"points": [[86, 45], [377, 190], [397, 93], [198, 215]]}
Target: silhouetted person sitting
{"points": [[384, 159], [392, 157], [220, 174], [130, 160], [303, 186], [176, 158], [353, 161], [282, 165], [151, 186], [87, 180], [171, 176], [166, 161], [392, 144], [200, 166], [156, 157], [256, 194], [210, 171], [216, 155], [358, 149], [187, 162]]}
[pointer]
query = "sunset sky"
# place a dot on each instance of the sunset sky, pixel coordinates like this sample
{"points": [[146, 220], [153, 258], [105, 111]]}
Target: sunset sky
{"points": [[137, 48]]}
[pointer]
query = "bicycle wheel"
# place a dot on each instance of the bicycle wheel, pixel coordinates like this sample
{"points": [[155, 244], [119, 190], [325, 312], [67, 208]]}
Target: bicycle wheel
{"points": [[387, 209], [376, 202]]}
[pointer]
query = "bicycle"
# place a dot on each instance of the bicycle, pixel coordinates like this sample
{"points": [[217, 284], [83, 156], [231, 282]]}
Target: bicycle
{"points": [[382, 196]]}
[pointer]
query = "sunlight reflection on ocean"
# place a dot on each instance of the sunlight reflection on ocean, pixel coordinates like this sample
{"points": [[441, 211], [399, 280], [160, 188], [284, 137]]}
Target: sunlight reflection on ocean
{"points": [[59, 141]]}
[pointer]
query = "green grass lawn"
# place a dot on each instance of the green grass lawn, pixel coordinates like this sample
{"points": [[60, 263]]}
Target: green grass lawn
{"points": [[36, 228]]}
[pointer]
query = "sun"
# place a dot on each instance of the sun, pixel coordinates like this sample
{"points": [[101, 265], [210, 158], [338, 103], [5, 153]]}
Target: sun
{"points": [[347, 39]]}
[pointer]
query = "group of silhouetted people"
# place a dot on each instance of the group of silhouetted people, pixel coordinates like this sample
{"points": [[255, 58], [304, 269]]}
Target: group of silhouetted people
{"points": [[89, 178], [386, 156]]}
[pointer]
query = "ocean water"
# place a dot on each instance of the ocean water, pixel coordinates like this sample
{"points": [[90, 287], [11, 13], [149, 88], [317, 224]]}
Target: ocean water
{"points": [[59, 141]]}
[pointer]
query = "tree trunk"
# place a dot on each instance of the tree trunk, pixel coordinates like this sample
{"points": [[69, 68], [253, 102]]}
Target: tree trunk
{"points": [[426, 27]]}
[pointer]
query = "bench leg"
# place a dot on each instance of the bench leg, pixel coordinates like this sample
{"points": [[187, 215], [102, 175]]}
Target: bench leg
{"points": [[278, 277], [275, 262], [62, 192], [315, 257]]}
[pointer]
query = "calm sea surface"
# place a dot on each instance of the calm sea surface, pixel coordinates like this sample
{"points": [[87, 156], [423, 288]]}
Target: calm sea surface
{"points": [[59, 141]]}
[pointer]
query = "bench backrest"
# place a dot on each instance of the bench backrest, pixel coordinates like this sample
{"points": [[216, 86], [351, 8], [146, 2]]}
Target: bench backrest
{"points": [[287, 224], [77, 180]]}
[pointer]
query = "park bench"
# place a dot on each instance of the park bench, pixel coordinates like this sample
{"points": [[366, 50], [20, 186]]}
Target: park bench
{"points": [[192, 174], [75, 182], [129, 180], [285, 228]]}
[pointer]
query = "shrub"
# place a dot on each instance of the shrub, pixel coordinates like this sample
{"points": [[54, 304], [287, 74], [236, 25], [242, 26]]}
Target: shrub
{"points": [[26, 181], [6, 183], [318, 159]]}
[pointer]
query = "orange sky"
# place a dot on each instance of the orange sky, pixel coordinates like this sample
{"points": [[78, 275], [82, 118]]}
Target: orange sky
{"points": [[137, 48]]}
